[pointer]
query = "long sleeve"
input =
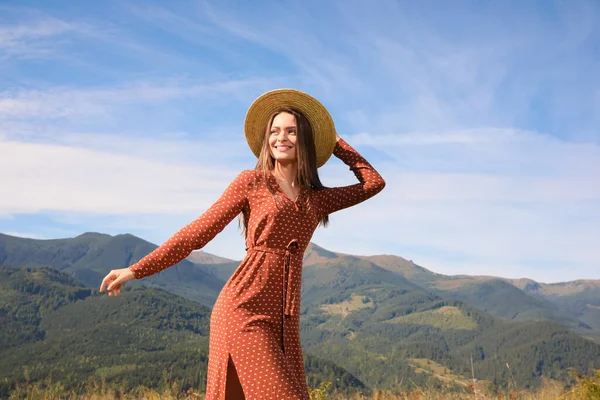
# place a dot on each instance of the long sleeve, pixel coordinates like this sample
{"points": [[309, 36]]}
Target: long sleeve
{"points": [[198, 233], [370, 183]]}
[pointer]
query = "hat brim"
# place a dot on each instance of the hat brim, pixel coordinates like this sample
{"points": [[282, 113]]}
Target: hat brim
{"points": [[263, 107]]}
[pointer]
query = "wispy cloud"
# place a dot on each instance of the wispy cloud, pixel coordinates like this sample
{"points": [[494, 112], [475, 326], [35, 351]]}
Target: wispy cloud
{"points": [[39, 36], [317, 64], [482, 120], [548, 242], [44, 177], [466, 201], [494, 151], [70, 102], [481, 67], [30, 235]]}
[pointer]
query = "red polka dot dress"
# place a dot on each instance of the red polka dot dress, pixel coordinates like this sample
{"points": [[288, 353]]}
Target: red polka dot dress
{"points": [[255, 322]]}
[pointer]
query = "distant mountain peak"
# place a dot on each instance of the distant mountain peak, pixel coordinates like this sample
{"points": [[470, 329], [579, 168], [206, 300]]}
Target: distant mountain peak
{"points": [[526, 284], [315, 254], [93, 235], [406, 268], [202, 257]]}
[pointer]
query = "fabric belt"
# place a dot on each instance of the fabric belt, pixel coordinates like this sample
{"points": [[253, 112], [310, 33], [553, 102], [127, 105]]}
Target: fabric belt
{"points": [[289, 295]]}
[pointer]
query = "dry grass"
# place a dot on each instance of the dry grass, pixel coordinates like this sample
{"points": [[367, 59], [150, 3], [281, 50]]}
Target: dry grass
{"points": [[587, 388]]}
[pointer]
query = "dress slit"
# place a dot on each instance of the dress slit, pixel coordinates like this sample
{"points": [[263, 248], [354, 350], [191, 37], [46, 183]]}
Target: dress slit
{"points": [[233, 387]]}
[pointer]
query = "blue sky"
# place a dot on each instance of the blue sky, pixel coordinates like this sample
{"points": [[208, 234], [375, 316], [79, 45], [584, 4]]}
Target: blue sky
{"points": [[127, 116]]}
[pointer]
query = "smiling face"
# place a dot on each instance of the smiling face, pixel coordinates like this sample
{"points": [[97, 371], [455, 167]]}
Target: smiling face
{"points": [[283, 138]]}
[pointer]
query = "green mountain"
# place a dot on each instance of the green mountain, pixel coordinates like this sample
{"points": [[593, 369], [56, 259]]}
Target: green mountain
{"points": [[573, 304], [375, 323], [502, 298], [580, 299], [90, 256], [71, 333], [53, 326], [383, 318], [201, 276]]}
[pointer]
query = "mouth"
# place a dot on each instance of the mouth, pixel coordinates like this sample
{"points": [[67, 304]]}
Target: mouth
{"points": [[282, 148]]}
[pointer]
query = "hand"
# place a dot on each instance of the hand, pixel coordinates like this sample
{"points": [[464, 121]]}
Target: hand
{"points": [[115, 280], [337, 137]]}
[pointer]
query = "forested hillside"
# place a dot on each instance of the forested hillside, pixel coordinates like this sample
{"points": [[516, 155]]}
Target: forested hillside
{"points": [[53, 326], [374, 322]]}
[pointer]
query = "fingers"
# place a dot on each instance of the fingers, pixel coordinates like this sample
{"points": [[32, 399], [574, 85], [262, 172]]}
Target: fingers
{"points": [[112, 283], [115, 291], [116, 284], [107, 280]]}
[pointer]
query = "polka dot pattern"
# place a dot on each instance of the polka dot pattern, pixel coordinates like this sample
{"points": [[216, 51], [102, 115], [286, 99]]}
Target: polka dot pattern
{"points": [[255, 321]]}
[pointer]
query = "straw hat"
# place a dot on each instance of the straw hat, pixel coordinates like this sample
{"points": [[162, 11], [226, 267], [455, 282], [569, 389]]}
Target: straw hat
{"points": [[263, 107]]}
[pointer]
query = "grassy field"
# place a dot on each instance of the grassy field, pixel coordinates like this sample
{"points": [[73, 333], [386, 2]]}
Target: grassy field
{"points": [[444, 318], [587, 388], [355, 302]]}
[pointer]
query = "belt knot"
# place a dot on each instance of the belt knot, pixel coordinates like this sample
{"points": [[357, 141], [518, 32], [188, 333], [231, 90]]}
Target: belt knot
{"points": [[292, 246]]}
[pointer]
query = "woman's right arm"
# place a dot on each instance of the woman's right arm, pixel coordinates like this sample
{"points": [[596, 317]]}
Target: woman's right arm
{"points": [[196, 234]]}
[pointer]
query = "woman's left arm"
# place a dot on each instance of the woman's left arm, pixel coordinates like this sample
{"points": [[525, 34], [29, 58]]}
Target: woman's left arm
{"points": [[330, 200]]}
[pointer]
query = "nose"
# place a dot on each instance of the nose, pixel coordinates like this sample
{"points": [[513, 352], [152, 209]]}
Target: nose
{"points": [[282, 137]]}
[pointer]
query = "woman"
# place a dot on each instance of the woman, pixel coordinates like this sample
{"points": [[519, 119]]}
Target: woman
{"points": [[254, 344]]}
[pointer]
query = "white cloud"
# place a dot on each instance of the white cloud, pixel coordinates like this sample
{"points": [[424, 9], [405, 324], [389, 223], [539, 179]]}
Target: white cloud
{"points": [[512, 152], [12, 35], [29, 235], [509, 199], [480, 187], [540, 241], [40, 36], [497, 218], [445, 137], [321, 67], [539, 272], [46, 177], [76, 102]]}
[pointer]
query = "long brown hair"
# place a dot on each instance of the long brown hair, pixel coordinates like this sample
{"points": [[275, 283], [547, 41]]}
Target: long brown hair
{"points": [[307, 175]]}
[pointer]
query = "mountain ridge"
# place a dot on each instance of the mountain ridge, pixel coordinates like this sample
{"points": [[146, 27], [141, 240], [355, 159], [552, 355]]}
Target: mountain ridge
{"points": [[201, 275], [315, 254], [348, 301]]}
